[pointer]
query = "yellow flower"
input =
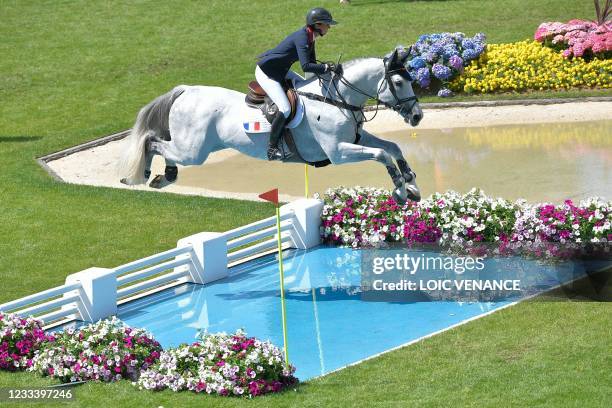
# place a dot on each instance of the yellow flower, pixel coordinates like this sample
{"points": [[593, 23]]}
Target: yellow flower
{"points": [[530, 65]]}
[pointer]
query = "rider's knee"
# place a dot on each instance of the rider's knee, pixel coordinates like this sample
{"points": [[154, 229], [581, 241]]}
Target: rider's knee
{"points": [[285, 110]]}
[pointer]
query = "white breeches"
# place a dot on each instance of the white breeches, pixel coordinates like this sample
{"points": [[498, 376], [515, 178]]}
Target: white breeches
{"points": [[275, 91]]}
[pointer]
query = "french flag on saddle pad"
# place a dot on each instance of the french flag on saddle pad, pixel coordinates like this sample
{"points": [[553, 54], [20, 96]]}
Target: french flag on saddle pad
{"points": [[256, 125], [252, 126]]}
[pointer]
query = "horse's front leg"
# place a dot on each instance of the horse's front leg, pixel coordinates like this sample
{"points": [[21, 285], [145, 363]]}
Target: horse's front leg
{"points": [[368, 139], [350, 153]]}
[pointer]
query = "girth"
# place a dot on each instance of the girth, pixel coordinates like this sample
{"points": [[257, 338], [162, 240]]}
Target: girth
{"points": [[296, 157]]}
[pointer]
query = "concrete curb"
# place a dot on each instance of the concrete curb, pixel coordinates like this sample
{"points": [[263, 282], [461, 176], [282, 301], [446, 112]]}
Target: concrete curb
{"points": [[506, 102], [88, 145]]}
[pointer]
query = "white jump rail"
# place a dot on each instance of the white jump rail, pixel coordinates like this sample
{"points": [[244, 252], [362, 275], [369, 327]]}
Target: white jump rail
{"points": [[202, 258]]}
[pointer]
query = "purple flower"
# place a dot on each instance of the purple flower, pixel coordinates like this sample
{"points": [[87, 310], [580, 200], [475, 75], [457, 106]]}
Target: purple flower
{"points": [[417, 63], [480, 37], [470, 54], [436, 49], [423, 77], [468, 43], [430, 57], [441, 72], [456, 62], [445, 93], [450, 51]]}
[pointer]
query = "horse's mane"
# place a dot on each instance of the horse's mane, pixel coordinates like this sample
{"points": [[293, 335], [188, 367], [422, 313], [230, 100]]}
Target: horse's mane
{"points": [[355, 61], [346, 65]]}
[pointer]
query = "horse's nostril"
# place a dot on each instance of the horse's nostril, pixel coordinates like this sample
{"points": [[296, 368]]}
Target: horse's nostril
{"points": [[417, 118]]}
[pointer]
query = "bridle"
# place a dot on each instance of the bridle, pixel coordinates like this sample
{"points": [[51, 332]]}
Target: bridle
{"points": [[342, 104], [399, 102]]}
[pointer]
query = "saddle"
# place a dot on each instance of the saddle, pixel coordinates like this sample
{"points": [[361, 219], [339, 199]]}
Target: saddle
{"points": [[257, 98]]}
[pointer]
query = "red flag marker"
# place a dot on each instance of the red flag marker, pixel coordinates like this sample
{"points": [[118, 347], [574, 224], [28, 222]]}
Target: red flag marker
{"points": [[271, 196]]}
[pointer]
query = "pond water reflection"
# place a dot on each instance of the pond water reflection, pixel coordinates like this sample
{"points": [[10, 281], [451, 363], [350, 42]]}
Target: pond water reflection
{"points": [[540, 162]]}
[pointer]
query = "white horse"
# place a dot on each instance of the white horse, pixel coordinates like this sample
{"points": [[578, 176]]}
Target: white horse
{"points": [[190, 122]]}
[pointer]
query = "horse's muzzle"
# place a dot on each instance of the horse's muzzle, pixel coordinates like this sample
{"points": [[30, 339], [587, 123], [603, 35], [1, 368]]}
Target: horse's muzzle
{"points": [[415, 119]]}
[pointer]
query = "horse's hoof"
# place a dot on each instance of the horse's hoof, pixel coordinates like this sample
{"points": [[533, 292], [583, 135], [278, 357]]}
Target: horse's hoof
{"points": [[124, 181], [159, 181], [414, 197], [414, 194], [398, 198]]}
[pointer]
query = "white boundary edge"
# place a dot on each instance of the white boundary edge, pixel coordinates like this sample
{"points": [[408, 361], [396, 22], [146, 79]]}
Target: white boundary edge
{"points": [[461, 323]]}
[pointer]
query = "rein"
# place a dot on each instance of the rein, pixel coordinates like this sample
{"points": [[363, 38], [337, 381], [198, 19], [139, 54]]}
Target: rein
{"points": [[339, 104], [342, 104]]}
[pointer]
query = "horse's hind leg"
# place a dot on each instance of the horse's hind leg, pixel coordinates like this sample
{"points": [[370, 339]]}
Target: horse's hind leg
{"points": [[171, 171], [148, 160], [170, 175]]}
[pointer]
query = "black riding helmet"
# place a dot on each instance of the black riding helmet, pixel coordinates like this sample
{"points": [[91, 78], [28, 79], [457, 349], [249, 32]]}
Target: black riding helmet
{"points": [[319, 15]]}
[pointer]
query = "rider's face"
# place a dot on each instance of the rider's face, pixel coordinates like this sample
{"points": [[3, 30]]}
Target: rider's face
{"points": [[322, 28]]}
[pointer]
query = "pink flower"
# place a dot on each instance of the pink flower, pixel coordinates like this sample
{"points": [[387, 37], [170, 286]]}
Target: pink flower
{"points": [[541, 32], [598, 47]]}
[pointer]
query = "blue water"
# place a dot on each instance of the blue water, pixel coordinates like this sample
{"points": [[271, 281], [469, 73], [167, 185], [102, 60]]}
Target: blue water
{"points": [[329, 324]]}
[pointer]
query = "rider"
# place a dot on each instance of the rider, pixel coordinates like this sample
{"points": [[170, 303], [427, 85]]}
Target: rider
{"points": [[274, 66]]}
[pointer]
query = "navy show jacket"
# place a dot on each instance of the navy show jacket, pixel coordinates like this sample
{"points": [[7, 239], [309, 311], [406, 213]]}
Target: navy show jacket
{"points": [[275, 63]]}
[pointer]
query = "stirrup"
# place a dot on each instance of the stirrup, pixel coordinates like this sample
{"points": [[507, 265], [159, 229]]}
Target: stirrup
{"points": [[274, 153]]}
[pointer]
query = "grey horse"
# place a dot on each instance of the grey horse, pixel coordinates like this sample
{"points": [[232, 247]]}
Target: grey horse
{"points": [[188, 123]]}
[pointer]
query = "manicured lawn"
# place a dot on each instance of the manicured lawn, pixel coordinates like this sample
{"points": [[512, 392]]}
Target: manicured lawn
{"points": [[74, 71], [539, 353]]}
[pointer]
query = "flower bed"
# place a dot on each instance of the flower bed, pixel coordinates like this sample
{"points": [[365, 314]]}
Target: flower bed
{"points": [[528, 65], [19, 339], [110, 351], [577, 38], [221, 364], [360, 217], [441, 57], [106, 351]]}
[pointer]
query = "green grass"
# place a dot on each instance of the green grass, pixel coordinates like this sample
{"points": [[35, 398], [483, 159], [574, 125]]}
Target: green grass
{"points": [[538, 353], [72, 71]]}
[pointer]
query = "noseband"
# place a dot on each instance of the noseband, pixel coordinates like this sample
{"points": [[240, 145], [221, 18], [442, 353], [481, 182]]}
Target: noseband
{"points": [[399, 102]]}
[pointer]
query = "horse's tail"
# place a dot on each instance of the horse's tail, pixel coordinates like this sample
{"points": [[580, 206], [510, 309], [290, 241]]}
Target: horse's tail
{"points": [[152, 120]]}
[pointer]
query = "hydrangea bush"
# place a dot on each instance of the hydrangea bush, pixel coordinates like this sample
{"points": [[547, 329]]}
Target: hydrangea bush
{"points": [[577, 38], [19, 340], [107, 351], [443, 56], [359, 217], [223, 364], [528, 65]]}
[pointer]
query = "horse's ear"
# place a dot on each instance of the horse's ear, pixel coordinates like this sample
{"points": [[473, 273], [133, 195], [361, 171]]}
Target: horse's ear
{"points": [[403, 54], [391, 60]]}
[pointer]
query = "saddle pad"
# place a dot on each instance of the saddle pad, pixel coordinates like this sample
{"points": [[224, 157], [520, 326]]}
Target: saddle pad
{"points": [[254, 121]]}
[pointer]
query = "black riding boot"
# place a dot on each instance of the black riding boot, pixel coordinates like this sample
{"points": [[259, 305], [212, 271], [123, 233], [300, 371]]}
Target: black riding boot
{"points": [[278, 124]]}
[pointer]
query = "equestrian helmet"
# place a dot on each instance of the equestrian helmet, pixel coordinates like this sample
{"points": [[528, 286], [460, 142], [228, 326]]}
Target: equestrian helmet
{"points": [[319, 15]]}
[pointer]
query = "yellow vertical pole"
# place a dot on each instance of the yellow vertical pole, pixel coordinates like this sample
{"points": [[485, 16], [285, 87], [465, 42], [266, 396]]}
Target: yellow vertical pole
{"points": [[282, 285], [306, 180]]}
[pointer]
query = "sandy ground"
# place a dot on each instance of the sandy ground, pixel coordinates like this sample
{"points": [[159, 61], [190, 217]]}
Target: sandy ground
{"points": [[96, 166]]}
